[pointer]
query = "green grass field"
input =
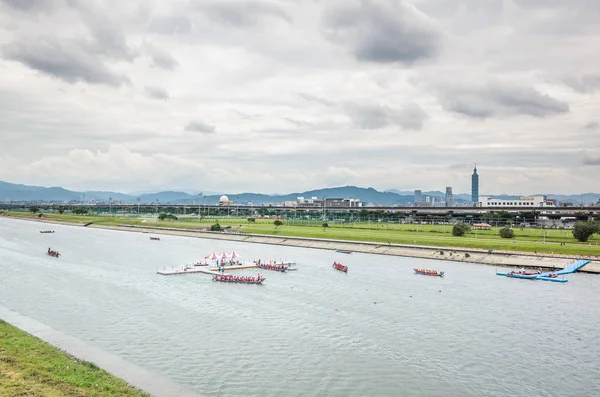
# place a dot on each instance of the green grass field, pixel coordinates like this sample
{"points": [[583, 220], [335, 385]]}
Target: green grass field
{"points": [[526, 240], [31, 367]]}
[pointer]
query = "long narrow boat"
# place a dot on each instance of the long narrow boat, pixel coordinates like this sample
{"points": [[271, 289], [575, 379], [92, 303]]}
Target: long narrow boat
{"points": [[344, 251], [46, 231], [154, 238], [53, 254], [275, 268], [239, 280], [428, 272], [340, 267]]}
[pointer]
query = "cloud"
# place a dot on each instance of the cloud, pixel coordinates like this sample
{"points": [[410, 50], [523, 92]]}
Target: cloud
{"points": [[199, 126], [592, 125], [313, 98], [29, 5], [383, 32], [243, 13], [591, 159], [370, 116], [499, 99], [72, 58], [156, 93], [160, 58], [63, 61], [393, 94], [585, 84]]}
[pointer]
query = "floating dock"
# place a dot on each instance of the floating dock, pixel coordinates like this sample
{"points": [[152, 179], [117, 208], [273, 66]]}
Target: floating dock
{"points": [[572, 268], [201, 269]]}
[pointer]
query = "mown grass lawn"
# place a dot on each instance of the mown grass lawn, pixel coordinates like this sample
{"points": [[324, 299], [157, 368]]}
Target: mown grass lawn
{"points": [[31, 367], [525, 240]]}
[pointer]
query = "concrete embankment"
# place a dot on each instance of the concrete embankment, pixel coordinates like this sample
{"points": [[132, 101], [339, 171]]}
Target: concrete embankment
{"points": [[439, 253], [151, 382]]}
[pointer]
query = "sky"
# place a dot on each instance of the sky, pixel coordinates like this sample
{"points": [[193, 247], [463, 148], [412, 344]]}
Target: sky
{"points": [[287, 96]]}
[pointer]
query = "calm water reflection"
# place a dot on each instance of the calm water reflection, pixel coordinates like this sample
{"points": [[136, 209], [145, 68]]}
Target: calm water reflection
{"points": [[377, 330]]}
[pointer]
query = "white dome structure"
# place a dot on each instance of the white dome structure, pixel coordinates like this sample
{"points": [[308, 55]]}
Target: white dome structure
{"points": [[224, 199]]}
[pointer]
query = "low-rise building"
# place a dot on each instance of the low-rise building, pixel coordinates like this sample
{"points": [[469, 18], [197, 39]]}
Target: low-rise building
{"points": [[523, 201]]}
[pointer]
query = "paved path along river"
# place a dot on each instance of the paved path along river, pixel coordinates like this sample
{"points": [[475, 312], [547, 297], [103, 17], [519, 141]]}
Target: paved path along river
{"points": [[377, 330]]}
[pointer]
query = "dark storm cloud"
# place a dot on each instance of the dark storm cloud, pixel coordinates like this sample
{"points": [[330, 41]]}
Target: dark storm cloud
{"points": [[585, 84], [243, 13], [374, 116], [156, 93], [496, 99], [313, 98], [62, 60], [378, 32], [200, 126]]}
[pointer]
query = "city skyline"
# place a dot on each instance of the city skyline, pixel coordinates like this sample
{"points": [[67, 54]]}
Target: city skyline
{"points": [[282, 96]]}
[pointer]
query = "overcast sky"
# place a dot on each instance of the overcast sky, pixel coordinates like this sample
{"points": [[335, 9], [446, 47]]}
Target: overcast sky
{"points": [[287, 96]]}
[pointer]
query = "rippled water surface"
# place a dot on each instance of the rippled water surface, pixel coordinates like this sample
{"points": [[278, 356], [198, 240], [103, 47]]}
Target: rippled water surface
{"points": [[378, 330]]}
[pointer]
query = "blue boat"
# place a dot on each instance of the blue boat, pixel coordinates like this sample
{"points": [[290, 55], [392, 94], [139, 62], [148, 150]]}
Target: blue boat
{"points": [[343, 251], [547, 276]]}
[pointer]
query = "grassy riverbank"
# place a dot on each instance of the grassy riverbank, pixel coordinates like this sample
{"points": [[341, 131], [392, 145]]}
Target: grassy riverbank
{"points": [[526, 240], [31, 367]]}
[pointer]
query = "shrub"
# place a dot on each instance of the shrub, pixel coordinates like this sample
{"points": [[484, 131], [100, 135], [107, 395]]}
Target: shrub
{"points": [[582, 231], [460, 229], [467, 255], [277, 223], [251, 220], [507, 232], [216, 228]]}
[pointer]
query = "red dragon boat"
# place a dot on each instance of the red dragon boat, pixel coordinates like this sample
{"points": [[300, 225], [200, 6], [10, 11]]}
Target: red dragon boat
{"points": [[54, 254], [340, 267], [428, 272], [239, 279]]}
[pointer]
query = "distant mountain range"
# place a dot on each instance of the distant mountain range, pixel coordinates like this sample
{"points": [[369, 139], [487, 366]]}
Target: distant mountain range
{"points": [[16, 192]]}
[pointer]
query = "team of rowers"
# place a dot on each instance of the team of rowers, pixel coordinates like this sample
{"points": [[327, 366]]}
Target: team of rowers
{"points": [[279, 268], [427, 271], [52, 253], [227, 277]]}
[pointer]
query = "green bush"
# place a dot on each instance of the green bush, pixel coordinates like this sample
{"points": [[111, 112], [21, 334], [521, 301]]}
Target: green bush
{"points": [[582, 231], [507, 232], [277, 223], [216, 228], [460, 229]]}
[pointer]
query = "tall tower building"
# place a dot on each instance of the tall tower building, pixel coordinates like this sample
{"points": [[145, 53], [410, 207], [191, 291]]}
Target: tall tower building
{"points": [[418, 196], [449, 198], [475, 186]]}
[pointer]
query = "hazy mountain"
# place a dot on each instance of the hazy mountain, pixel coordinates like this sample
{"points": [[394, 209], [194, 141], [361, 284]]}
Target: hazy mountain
{"points": [[17, 192]]}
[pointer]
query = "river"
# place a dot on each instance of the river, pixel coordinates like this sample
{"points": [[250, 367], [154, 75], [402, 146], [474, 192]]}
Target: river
{"points": [[378, 330]]}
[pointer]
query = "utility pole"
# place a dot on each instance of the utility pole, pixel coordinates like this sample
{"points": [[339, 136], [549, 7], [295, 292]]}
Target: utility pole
{"points": [[199, 203], [138, 201], [110, 205]]}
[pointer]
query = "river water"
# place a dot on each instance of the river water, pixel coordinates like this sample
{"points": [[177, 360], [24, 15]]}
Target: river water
{"points": [[378, 330]]}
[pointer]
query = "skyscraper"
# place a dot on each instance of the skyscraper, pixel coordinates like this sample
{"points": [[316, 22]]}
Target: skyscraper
{"points": [[449, 198], [418, 196], [475, 186]]}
